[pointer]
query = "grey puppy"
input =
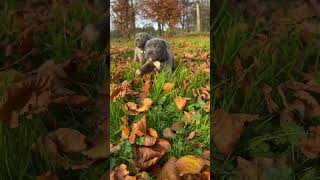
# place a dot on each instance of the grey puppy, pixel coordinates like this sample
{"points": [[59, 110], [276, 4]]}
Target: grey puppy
{"points": [[140, 41], [158, 56]]}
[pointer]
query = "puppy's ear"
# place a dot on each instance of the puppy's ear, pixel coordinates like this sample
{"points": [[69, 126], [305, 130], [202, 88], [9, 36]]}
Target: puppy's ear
{"points": [[166, 44]]}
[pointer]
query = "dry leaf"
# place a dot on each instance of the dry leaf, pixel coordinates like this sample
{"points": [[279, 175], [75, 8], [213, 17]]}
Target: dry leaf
{"points": [[267, 92], [181, 102], [228, 129], [145, 89], [131, 108], [146, 104], [207, 106], [152, 132], [310, 146], [138, 128], [188, 118], [177, 126], [167, 133], [189, 164], [99, 151], [169, 170], [48, 176], [124, 132], [191, 135], [73, 101], [167, 87], [118, 92], [69, 140]]}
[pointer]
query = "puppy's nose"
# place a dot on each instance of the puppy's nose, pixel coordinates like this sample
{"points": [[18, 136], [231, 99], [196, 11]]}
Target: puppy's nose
{"points": [[149, 52]]}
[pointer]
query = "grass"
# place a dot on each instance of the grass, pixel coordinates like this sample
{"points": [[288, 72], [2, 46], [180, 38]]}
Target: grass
{"points": [[263, 137], [164, 111], [17, 160]]}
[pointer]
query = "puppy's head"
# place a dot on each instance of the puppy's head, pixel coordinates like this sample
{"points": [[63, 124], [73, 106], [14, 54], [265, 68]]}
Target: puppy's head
{"points": [[156, 49], [141, 39]]}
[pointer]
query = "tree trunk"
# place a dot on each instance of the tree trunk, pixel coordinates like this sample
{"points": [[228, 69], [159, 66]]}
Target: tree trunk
{"points": [[159, 28], [133, 18], [198, 15]]}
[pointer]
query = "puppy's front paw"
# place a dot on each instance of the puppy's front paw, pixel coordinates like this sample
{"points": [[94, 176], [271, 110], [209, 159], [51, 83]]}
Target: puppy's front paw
{"points": [[138, 72], [157, 64]]}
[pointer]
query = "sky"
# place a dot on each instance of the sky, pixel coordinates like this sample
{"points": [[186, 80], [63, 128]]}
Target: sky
{"points": [[140, 22]]}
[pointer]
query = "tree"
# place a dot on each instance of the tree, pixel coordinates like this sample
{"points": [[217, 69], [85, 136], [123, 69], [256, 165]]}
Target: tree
{"points": [[123, 20], [198, 15], [163, 12]]}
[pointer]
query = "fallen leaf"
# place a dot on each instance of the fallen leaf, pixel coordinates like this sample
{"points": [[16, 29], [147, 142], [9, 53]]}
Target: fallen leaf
{"points": [[228, 129], [73, 101], [207, 106], [167, 133], [181, 102], [310, 146], [138, 128], [188, 118], [100, 150], [118, 92], [131, 108], [177, 126], [191, 135], [146, 104], [267, 92], [167, 87], [69, 140], [189, 164], [145, 89], [124, 132], [169, 170], [48, 176]]}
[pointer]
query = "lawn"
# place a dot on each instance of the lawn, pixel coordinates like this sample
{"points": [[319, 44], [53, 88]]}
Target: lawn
{"points": [[190, 79]]}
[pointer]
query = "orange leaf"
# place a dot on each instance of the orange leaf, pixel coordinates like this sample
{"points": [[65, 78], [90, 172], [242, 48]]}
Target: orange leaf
{"points": [[146, 104], [189, 164], [167, 87], [181, 102]]}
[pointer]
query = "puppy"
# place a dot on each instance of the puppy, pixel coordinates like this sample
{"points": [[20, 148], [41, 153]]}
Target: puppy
{"points": [[140, 42], [158, 56]]}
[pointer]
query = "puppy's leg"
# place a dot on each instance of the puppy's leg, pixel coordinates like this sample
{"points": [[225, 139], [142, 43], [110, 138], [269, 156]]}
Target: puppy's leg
{"points": [[146, 68]]}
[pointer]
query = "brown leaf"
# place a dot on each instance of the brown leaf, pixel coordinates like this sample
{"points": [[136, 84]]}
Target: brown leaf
{"points": [[294, 85], [98, 151], [181, 102], [145, 89], [131, 108], [188, 118], [191, 135], [169, 170], [228, 129], [73, 101], [152, 132], [47, 176], [167, 87], [167, 133], [207, 106], [121, 173], [149, 140], [310, 146], [206, 155], [124, 132], [248, 169], [118, 92], [162, 146], [177, 126], [267, 92], [146, 104], [312, 106], [189, 164], [138, 128], [69, 140]]}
